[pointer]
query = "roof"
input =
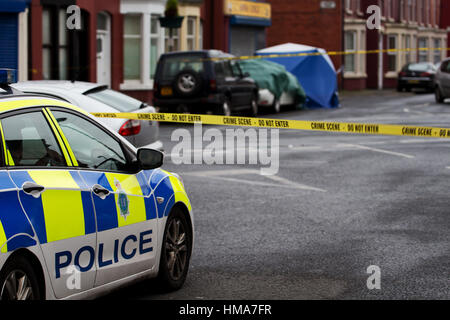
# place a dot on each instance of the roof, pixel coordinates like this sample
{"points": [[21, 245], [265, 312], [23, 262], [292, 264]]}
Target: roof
{"points": [[76, 86], [287, 48], [27, 101], [210, 53]]}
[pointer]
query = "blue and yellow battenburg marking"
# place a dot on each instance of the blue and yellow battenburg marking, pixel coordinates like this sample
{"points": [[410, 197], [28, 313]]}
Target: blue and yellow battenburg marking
{"points": [[66, 208], [14, 225], [67, 212]]}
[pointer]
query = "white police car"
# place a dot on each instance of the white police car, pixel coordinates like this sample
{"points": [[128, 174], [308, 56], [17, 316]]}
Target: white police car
{"points": [[81, 210]]}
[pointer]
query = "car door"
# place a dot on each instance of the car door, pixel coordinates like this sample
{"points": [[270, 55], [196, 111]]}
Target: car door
{"points": [[55, 199], [243, 85], [226, 83], [445, 78], [124, 205], [238, 90]]}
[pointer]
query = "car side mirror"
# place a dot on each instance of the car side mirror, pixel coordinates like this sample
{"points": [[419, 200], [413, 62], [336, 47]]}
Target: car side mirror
{"points": [[149, 159], [246, 75]]}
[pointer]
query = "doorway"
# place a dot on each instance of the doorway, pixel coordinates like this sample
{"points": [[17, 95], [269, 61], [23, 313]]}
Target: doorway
{"points": [[104, 49]]}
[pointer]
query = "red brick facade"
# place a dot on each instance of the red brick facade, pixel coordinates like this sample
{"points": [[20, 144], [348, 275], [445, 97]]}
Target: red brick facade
{"points": [[404, 24], [88, 47], [304, 22]]}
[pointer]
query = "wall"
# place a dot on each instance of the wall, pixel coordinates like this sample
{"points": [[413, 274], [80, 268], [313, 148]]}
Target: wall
{"points": [[303, 22], [112, 7]]}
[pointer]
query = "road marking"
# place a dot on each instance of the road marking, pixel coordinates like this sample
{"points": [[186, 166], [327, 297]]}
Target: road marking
{"points": [[382, 151], [219, 175]]}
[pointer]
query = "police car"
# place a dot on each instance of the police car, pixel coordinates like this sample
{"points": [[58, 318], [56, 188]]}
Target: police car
{"points": [[82, 211]]}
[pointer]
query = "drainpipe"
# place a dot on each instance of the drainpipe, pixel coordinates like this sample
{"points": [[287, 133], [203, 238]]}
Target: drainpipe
{"points": [[380, 61]]}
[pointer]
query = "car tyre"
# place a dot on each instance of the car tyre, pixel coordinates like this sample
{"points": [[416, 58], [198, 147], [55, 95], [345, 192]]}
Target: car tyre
{"points": [[253, 112], [438, 95], [175, 252], [276, 106], [18, 281], [224, 109]]}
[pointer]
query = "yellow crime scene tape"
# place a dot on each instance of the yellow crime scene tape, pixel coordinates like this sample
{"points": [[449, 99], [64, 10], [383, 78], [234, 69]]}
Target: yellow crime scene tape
{"points": [[319, 53], [342, 127], [356, 128]]}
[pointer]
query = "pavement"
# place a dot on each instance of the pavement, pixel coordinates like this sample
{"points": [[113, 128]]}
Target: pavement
{"points": [[339, 204]]}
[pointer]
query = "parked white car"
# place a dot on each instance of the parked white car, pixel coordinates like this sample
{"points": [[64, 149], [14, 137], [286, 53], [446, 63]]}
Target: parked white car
{"points": [[93, 97], [267, 100]]}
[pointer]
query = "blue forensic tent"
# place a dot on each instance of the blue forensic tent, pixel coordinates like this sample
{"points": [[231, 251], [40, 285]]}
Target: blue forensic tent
{"points": [[316, 74]]}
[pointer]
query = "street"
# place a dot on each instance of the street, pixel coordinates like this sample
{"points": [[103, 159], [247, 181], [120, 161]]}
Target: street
{"points": [[339, 204]]}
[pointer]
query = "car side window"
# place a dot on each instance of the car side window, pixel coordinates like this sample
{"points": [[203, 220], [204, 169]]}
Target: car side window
{"points": [[93, 148], [237, 72], [445, 66], [218, 69], [228, 72], [30, 141]]}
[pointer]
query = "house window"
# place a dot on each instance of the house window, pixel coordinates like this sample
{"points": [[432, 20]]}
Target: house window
{"points": [[362, 47], [437, 53], [132, 47], [350, 46], [392, 56], [172, 43], [408, 49], [155, 31], [410, 10], [46, 45], [200, 36], [190, 37], [55, 44], [348, 5], [420, 11], [423, 54]]}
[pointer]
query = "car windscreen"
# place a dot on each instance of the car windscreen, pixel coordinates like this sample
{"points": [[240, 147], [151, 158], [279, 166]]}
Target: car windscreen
{"points": [[172, 65], [420, 67], [115, 99]]}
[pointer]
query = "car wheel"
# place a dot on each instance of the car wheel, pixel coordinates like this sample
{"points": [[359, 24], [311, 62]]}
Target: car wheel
{"points": [[438, 95], [18, 281], [187, 83], [276, 106], [253, 107], [225, 108], [175, 252]]}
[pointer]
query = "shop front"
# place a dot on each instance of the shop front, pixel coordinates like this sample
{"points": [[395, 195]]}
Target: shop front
{"points": [[248, 21]]}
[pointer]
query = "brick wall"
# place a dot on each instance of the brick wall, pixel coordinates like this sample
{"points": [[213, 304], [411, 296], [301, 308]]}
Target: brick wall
{"points": [[304, 22]]}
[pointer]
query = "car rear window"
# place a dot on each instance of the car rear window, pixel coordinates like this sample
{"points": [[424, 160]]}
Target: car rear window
{"points": [[115, 99], [172, 65], [419, 67]]}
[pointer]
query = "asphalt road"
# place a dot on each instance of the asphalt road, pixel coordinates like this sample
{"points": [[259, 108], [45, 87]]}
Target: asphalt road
{"points": [[339, 204]]}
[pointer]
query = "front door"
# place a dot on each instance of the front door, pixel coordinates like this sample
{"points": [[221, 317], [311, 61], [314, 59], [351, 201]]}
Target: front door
{"points": [[103, 49], [124, 204], [55, 199]]}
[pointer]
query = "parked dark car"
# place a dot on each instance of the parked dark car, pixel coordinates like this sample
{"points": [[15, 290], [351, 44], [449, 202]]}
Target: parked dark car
{"points": [[202, 81], [442, 82], [417, 75]]}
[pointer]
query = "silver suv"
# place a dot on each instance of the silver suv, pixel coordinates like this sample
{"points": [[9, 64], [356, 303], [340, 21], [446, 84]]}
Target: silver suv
{"points": [[442, 82]]}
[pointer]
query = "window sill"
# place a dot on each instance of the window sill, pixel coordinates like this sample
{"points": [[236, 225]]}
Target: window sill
{"points": [[353, 75], [391, 75], [136, 85]]}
